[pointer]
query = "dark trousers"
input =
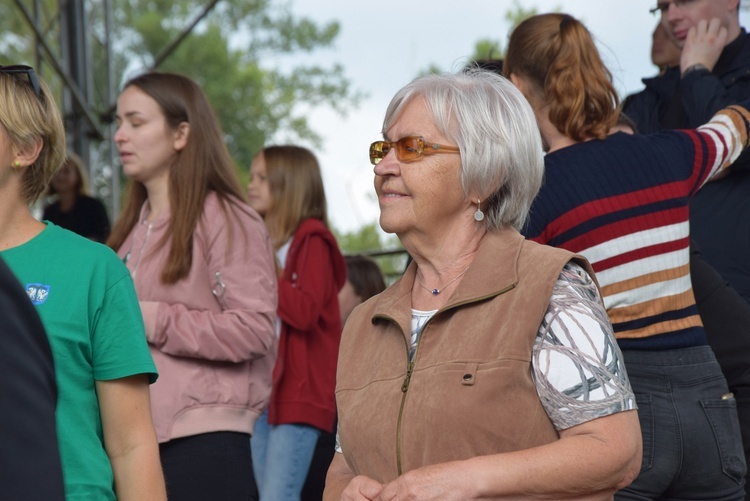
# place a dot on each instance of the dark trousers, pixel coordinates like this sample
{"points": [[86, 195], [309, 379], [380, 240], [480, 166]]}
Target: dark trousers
{"points": [[316, 476], [691, 436], [726, 318], [210, 466]]}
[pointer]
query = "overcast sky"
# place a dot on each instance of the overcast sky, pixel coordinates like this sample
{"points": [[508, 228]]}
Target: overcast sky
{"points": [[383, 45]]}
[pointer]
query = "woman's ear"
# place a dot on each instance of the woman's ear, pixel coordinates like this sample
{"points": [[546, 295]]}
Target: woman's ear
{"points": [[520, 83], [27, 155], [181, 136]]}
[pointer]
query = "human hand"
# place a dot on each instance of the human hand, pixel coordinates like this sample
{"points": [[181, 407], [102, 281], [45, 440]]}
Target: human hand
{"points": [[361, 488], [444, 482], [703, 44]]}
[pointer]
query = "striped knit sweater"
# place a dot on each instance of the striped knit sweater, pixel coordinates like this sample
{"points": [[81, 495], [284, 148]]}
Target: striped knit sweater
{"points": [[622, 202]]}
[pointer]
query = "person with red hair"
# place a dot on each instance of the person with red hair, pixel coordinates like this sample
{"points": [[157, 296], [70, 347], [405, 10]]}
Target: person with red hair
{"points": [[621, 200]]}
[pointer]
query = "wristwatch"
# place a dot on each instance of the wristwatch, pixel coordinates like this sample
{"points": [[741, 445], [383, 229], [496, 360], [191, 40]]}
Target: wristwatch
{"points": [[694, 67]]}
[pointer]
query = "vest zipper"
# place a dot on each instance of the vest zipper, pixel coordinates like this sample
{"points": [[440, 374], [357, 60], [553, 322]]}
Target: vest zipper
{"points": [[410, 369], [404, 390]]}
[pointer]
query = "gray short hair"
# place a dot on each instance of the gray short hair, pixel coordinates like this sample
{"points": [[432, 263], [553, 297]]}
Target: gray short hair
{"points": [[502, 160]]}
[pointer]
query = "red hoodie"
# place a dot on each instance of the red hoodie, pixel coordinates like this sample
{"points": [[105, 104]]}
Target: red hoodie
{"points": [[304, 377]]}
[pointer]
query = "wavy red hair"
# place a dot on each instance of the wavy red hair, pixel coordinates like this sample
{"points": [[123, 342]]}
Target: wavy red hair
{"points": [[556, 55]]}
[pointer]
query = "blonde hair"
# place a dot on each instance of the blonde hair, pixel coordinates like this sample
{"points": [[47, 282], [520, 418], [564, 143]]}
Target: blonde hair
{"points": [[556, 54], [28, 118], [296, 188]]}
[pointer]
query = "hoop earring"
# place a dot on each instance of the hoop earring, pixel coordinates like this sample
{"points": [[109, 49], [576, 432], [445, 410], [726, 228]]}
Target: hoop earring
{"points": [[479, 215]]}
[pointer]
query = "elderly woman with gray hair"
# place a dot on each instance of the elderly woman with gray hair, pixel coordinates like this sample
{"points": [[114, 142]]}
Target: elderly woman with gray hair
{"points": [[489, 370]]}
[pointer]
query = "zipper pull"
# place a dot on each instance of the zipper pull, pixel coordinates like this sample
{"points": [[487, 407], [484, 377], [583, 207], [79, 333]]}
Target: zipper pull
{"points": [[405, 386]]}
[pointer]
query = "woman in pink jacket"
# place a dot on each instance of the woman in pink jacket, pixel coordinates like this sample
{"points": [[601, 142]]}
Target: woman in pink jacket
{"points": [[202, 264]]}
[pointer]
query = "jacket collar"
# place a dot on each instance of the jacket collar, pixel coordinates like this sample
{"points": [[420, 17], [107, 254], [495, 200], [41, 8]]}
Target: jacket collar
{"points": [[493, 272], [162, 220]]}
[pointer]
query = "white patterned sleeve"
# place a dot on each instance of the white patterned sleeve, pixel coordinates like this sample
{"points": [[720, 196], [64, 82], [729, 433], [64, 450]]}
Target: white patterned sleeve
{"points": [[577, 366]]}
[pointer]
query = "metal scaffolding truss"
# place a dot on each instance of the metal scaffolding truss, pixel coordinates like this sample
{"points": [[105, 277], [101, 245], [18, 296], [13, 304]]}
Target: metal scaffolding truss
{"points": [[88, 125]]}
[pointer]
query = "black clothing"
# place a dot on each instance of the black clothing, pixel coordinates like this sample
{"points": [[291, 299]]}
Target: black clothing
{"points": [[209, 466], [315, 482], [29, 457], [722, 311], [88, 218], [703, 92]]}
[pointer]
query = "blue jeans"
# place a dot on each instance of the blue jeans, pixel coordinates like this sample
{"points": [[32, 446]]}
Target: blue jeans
{"points": [[692, 449], [281, 458]]}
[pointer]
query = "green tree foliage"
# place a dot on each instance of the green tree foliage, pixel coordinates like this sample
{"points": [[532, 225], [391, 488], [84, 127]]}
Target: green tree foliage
{"points": [[246, 55], [232, 55], [488, 49]]}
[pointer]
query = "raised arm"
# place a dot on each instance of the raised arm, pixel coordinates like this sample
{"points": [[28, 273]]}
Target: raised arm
{"points": [[703, 93]]}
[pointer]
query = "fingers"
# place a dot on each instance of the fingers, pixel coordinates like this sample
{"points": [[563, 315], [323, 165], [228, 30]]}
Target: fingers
{"points": [[703, 44], [361, 488]]}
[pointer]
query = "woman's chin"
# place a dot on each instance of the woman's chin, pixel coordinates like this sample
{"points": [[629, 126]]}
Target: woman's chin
{"points": [[389, 225]]}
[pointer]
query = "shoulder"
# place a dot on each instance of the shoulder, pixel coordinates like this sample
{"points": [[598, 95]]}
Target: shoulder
{"points": [[89, 203], [312, 226], [218, 207], [745, 52], [230, 224], [223, 215], [81, 251], [558, 258], [89, 200], [313, 229]]}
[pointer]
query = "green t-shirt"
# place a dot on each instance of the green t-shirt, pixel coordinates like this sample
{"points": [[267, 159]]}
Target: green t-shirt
{"points": [[87, 302]]}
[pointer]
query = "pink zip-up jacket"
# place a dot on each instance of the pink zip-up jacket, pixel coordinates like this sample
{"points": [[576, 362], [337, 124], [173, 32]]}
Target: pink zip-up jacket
{"points": [[211, 334]]}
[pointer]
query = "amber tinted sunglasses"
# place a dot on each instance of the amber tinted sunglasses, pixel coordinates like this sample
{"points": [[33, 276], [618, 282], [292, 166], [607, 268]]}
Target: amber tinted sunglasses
{"points": [[20, 69], [408, 149]]}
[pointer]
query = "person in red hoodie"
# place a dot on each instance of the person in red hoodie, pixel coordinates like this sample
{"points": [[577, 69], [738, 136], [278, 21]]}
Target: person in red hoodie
{"points": [[286, 188]]}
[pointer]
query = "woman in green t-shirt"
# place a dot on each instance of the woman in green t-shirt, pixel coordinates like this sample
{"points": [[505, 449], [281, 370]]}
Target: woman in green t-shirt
{"points": [[87, 303]]}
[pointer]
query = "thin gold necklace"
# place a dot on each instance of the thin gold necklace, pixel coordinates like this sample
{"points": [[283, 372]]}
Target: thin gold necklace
{"points": [[435, 292]]}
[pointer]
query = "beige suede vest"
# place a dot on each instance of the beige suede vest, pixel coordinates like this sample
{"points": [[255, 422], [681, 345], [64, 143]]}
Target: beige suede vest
{"points": [[469, 390]]}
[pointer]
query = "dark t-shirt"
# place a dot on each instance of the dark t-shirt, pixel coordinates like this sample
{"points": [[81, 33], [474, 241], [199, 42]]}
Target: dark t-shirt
{"points": [[88, 218]]}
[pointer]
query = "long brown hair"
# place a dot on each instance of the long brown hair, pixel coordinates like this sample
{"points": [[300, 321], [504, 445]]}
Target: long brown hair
{"points": [[203, 165], [296, 188], [556, 54]]}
